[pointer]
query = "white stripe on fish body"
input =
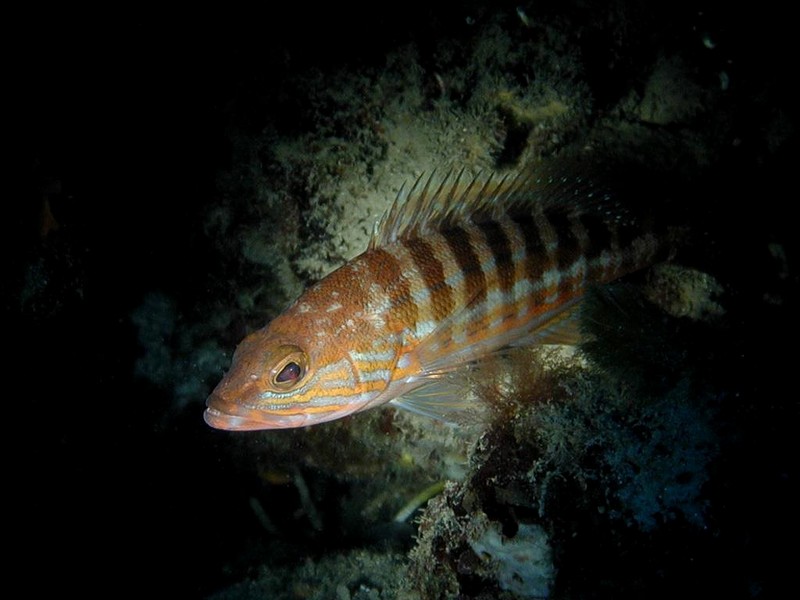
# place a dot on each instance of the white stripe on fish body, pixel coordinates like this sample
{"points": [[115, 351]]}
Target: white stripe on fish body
{"points": [[339, 374], [376, 356], [376, 375]]}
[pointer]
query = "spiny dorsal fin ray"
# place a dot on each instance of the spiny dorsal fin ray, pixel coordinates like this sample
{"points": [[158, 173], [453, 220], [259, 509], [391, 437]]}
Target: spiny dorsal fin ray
{"points": [[435, 202]]}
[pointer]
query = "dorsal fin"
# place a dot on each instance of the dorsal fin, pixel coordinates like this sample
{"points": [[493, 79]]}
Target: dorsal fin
{"points": [[435, 202]]}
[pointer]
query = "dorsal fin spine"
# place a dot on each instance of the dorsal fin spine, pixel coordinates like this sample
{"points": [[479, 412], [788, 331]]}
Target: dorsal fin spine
{"points": [[435, 202]]}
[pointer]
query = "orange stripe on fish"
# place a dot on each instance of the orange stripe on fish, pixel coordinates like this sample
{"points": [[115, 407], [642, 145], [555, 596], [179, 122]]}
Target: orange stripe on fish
{"points": [[458, 269]]}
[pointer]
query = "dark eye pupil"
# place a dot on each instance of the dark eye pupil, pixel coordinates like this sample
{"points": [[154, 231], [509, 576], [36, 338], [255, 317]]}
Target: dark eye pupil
{"points": [[289, 373]]}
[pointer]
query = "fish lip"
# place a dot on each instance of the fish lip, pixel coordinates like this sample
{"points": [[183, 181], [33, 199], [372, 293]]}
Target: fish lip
{"points": [[221, 420]]}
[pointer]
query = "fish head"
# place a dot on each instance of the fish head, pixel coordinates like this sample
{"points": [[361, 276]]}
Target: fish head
{"points": [[279, 381]]}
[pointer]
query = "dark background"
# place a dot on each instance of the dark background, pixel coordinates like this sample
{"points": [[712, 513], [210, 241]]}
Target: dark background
{"points": [[109, 489]]}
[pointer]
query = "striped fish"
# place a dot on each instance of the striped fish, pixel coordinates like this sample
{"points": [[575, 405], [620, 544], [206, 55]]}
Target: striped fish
{"points": [[458, 269]]}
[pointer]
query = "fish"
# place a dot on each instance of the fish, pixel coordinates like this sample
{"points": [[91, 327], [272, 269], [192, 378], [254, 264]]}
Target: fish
{"points": [[459, 268]]}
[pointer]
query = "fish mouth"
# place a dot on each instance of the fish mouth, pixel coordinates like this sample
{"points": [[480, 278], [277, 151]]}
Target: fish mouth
{"points": [[220, 420], [246, 419]]}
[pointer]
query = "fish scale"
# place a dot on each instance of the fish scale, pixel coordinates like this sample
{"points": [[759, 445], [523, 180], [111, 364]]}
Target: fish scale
{"points": [[457, 269]]}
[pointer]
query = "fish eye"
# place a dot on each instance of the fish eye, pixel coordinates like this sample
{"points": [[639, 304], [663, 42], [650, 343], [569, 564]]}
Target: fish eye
{"points": [[290, 372], [290, 368]]}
